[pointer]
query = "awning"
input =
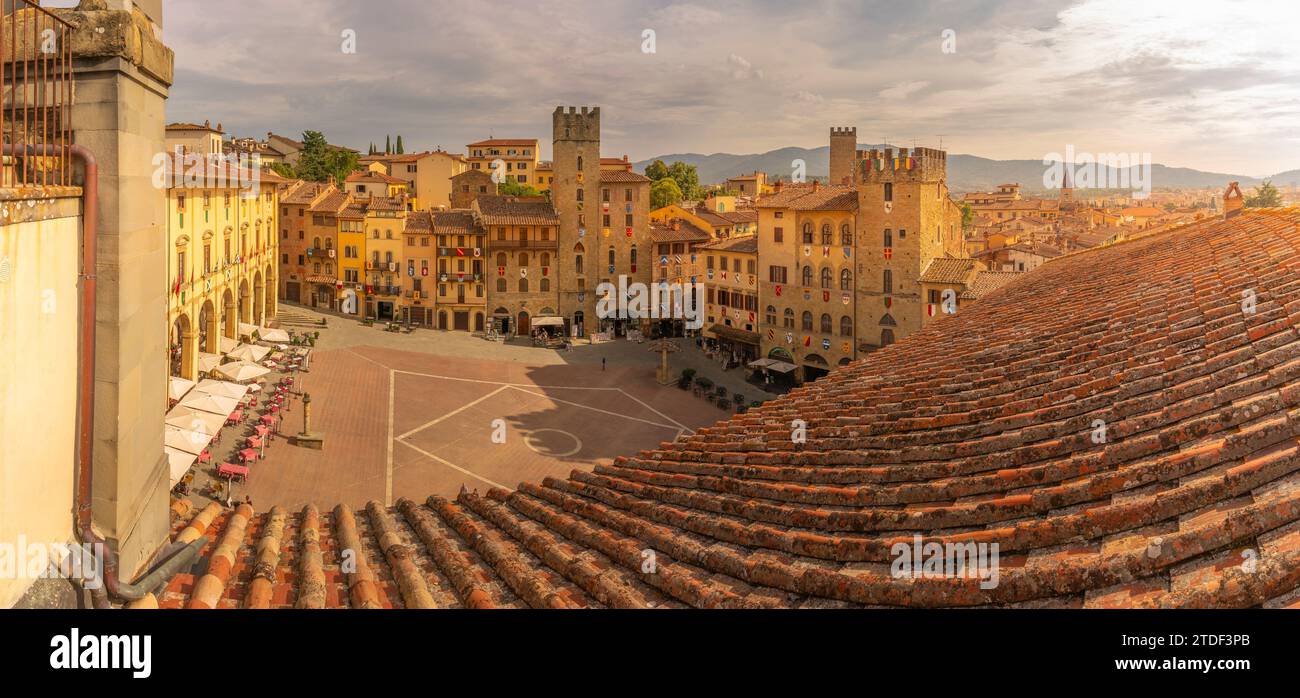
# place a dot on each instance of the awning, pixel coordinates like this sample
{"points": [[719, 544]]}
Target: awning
{"points": [[735, 334], [178, 462], [195, 420], [548, 322], [781, 366], [246, 330], [207, 362], [185, 440], [760, 363], [241, 372], [269, 334], [222, 388], [210, 403], [249, 352], [177, 387], [226, 345]]}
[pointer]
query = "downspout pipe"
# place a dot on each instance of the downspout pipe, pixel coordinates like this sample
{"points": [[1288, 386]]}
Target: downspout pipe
{"points": [[86, 386]]}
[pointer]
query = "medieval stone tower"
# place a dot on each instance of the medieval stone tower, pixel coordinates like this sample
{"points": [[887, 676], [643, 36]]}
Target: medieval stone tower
{"points": [[575, 193], [844, 154], [905, 220]]}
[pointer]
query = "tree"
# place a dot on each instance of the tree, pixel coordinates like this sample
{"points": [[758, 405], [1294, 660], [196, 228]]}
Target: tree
{"points": [[1266, 196], [664, 192], [656, 170], [388, 145], [319, 161], [512, 188], [688, 180], [399, 144], [967, 215]]}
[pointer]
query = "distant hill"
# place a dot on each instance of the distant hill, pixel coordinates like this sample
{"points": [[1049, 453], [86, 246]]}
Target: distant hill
{"points": [[965, 172]]}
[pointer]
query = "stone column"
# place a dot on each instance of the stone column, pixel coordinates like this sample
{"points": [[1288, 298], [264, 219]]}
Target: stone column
{"points": [[122, 73]]}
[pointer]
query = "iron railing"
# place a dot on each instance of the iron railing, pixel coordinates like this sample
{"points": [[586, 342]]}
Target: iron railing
{"points": [[36, 63]]}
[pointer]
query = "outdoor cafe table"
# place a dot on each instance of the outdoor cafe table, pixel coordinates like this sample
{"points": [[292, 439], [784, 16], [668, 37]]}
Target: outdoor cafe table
{"points": [[232, 471], [254, 442], [254, 388], [248, 455], [262, 431]]}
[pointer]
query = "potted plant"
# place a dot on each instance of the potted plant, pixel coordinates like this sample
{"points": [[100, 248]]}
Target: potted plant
{"points": [[740, 402], [685, 381]]}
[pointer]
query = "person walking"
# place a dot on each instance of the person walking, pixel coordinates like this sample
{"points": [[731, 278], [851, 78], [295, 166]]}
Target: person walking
{"points": [[602, 363]]}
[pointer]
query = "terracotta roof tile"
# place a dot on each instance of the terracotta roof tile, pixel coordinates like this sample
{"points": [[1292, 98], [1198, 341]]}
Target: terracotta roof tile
{"points": [[949, 270], [745, 244], [510, 210], [980, 428], [622, 177]]}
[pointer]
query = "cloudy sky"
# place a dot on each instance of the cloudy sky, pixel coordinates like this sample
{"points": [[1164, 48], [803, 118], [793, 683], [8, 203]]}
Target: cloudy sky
{"points": [[1212, 85]]}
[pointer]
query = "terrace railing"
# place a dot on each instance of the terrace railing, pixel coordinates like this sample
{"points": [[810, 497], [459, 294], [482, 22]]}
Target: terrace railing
{"points": [[36, 64]]}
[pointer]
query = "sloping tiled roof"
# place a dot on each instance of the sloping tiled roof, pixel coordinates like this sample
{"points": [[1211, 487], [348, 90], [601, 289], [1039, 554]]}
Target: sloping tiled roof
{"points": [[745, 244], [988, 281], [736, 217], [504, 142], [453, 222], [509, 210], [333, 202], [983, 427], [809, 197], [304, 193], [949, 270], [684, 231], [418, 223], [622, 177]]}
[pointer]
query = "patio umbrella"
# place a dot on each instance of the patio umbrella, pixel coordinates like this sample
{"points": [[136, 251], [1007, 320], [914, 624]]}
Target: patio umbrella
{"points": [[222, 388], [225, 345], [178, 462], [249, 352], [247, 330], [177, 387], [207, 361], [185, 440], [210, 403], [273, 335], [241, 371], [195, 420]]}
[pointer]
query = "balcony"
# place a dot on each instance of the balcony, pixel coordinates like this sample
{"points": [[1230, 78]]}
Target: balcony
{"points": [[37, 103], [523, 244], [384, 267]]}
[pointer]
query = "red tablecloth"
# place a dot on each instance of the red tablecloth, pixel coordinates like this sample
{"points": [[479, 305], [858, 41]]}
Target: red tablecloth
{"points": [[232, 470], [262, 431], [268, 420], [248, 455], [254, 442]]}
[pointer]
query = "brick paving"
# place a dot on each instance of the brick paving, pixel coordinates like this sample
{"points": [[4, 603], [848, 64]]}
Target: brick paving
{"points": [[560, 410]]}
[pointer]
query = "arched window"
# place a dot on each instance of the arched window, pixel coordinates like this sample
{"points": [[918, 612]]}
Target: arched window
{"points": [[827, 235], [826, 324], [611, 256], [501, 259], [315, 243], [523, 259], [888, 320], [826, 277], [888, 282], [632, 256], [501, 285], [807, 276], [846, 326], [771, 315], [545, 259], [579, 163], [577, 263], [789, 318], [889, 238], [806, 321], [886, 337], [807, 233], [846, 235], [545, 284], [846, 280], [523, 285]]}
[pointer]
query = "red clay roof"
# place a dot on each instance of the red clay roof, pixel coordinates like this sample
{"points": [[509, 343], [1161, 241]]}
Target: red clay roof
{"points": [[510, 210], [980, 428], [504, 142]]}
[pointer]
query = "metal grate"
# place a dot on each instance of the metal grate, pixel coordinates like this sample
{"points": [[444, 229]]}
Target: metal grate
{"points": [[36, 62]]}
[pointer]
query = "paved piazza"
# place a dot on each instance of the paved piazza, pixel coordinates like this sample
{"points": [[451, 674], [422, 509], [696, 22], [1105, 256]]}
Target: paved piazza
{"points": [[425, 413]]}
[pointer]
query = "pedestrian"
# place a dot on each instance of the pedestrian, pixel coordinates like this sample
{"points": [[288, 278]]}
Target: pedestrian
{"points": [[602, 363]]}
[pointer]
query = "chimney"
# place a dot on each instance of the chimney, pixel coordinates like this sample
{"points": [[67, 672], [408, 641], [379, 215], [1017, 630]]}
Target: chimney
{"points": [[1232, 201]]}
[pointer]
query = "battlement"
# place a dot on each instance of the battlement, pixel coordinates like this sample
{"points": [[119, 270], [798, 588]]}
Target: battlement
{"points": [[905, 165], [844, 131], [576, 124]]}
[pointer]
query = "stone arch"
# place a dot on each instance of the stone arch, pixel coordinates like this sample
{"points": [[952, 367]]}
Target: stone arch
{"points": [[268, 281], [184, 347], [245, 302], [207, 330], [258, 290]]}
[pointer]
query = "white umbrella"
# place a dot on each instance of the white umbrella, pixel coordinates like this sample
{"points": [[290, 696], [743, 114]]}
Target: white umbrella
{"points": [[246, 330], [179, 462], [249, 352], [225, 345], [222, 388], [210, 403], [185, 440], [273, 335], [207, 361], [241, 371], [177, 387], [195, 420]]}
